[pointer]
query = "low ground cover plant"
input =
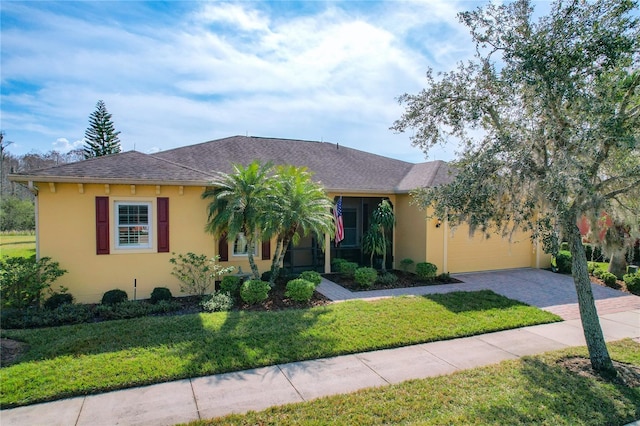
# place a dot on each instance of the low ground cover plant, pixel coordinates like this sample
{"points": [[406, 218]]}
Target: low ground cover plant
{"points": [[88, 358], [218, 302]]}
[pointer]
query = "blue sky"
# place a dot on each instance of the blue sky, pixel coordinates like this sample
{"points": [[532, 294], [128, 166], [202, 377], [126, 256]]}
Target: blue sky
{"points": [[177, 73]]}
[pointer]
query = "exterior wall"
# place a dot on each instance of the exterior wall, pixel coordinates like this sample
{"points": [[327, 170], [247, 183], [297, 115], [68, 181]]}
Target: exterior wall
{"points": [[411, 231], [67, 234]]}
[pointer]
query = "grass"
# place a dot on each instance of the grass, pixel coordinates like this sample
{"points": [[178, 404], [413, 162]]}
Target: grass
{"points": [[531, 390], [89, 358], [17, 245]]}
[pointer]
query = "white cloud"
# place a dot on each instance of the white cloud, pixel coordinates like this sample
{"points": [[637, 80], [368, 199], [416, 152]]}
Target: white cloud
{"points": [[63, 145]]}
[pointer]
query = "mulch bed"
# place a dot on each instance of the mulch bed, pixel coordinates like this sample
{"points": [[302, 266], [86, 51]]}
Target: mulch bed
{"points": [[620, 285], [405, 279]]}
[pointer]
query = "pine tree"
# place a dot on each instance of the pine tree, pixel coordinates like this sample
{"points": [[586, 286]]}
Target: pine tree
{"points": [[100, 137]]}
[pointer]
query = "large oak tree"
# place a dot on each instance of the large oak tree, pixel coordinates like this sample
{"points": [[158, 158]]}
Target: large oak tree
{"points": [[542, 117]]}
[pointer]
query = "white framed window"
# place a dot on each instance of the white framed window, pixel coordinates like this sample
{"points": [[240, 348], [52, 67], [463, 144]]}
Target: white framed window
{"points": [[240, 246], [133, 225]]}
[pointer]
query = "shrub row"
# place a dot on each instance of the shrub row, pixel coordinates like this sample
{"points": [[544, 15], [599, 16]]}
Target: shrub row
{"points": [[632, 282]]}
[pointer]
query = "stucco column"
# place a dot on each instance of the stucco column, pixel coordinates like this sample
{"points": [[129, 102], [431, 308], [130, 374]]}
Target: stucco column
{"points": [[327, 253]]}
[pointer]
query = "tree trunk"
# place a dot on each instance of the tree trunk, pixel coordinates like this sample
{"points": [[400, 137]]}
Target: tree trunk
{"points": [[618, 263], [275, 264], [250, 249], [598, 352]]}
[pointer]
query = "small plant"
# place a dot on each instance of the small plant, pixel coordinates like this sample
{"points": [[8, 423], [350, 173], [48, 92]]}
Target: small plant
{"points": [[598, 272], [387, 278], [230, 285], [300, 290], [23, 281], [591, 267], [254, 291], [159, 294], [632, 282], [563, 261], [426, 271], [609, 279], [348, 269], [58, 299], [444, 277], [218, 302], [405, 264], [312, 276], [115, 296], [365, 277], [197, 272], [336, 264]]}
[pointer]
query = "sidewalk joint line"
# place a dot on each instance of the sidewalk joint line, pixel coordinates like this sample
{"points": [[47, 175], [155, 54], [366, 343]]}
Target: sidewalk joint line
{"points": [[290, 382], [84, 398], [370, 368], [195, 400]]}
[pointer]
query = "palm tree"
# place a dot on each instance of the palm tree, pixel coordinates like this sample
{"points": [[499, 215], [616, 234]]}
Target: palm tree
{"points": [[384, 219], [238, 204], [300, 208]]}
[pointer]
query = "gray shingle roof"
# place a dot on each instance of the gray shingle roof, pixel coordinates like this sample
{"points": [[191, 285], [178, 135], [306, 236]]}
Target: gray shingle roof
{"points": [[338, 168]]}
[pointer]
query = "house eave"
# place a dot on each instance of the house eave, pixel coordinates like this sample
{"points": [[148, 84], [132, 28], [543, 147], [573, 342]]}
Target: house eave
{"points": [[111, 181]]}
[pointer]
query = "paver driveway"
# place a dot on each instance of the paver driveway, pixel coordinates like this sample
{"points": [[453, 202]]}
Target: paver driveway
{"points": [[547, 290]]}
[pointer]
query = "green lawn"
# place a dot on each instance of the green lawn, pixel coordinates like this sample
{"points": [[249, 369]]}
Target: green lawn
{"points": [[528, 391], [17, 245], [90, 358]]}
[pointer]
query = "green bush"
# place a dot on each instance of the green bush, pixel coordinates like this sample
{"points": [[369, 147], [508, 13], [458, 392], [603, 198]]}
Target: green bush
{"points": [[58, 299], [17, 214], [114, 296], [633, 282], [218, 302], [336, 264], [365, 277], [405, 264], [563, 262], [598, 272], [160, 293], [609, 279], [426, 271], [312, 276], [348, 269], [65, 314], [197, 272], [24, 281], [564, 246], [230, 285], [254, 291], [591, 267], [444, 277], [387, 278], [300, 290]]}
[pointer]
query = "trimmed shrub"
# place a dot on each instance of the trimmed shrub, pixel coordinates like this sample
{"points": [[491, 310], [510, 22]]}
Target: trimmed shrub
{"points": [[365, 277], [609, 279], [218, 302], [444, 277], [633, 282], [387, 278], [312, 276], [348, 269], [300, 290], [563, 262], [405, 264], [58, 299], [426, 271], [598, 272], [230, 285], [115, 296], [336, 264], [254, 291], [159, 294], [591, 267]]}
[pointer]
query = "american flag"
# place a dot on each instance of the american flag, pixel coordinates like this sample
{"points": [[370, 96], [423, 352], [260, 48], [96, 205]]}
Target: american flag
{"points": [[337, 214]]}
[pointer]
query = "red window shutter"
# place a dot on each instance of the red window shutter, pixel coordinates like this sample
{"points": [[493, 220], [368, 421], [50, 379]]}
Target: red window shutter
{"points": [[163, 225], [266, 250], [102, 225], [223, 248]]}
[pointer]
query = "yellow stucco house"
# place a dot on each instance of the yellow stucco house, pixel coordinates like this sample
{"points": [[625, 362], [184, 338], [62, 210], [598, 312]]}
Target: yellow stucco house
{"points": [[114, 221]]}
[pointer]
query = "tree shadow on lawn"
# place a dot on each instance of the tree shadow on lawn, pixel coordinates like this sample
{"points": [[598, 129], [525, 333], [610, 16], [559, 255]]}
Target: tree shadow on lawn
{"points": [[551, 392], [465, 301]]}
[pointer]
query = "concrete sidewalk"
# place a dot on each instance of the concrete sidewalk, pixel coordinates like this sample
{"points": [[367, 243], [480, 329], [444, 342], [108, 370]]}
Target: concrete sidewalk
{"points": [[218, 395]]}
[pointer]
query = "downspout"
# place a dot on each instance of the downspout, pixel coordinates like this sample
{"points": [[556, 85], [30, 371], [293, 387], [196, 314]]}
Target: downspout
{"points": [[34, 191], [445, 245]]}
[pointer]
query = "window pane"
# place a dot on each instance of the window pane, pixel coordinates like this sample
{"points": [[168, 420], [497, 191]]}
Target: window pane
{"points": [[133, 225]]}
